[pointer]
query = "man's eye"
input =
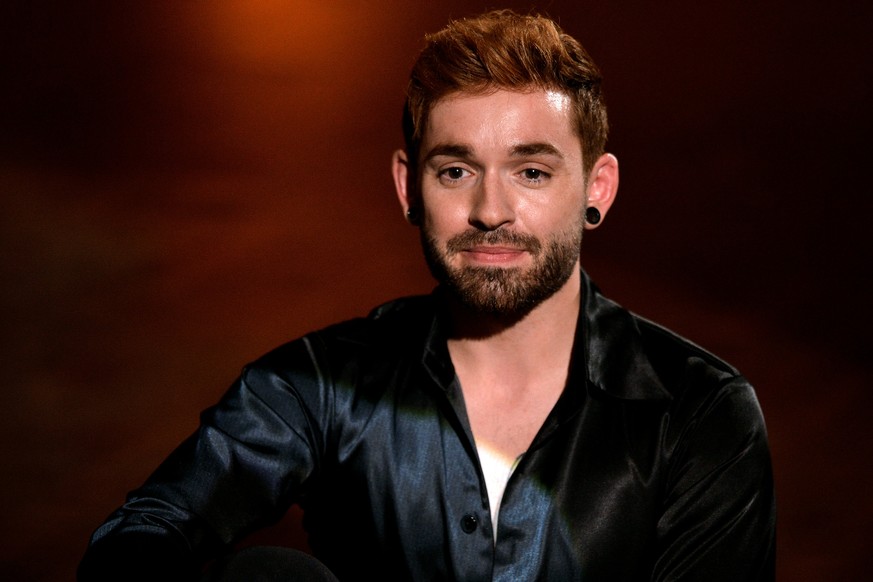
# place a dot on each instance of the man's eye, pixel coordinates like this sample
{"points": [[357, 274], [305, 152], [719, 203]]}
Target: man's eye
{"points": [[453, 174], [534, 175]]}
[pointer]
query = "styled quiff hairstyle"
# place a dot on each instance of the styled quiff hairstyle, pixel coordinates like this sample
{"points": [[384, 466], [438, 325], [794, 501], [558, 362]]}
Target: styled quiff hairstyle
{"points": [[506, 50]]}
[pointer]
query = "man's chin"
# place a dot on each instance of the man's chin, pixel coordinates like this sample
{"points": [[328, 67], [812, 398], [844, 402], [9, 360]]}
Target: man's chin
{"points": [[508, 291], [500, 292]]}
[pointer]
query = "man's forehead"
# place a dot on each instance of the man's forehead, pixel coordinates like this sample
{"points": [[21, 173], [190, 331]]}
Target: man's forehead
{"points": [[518, 117], [559, 100]]}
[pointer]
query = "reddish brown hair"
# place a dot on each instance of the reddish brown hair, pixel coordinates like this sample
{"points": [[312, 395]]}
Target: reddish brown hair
{"points": [[506, 50]]}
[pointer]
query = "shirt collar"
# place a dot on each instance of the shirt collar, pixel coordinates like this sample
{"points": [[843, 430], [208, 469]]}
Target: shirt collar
{"points": [[608, 345], [615, 355]]}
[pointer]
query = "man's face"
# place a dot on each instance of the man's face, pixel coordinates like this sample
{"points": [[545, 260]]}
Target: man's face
{"points": [[503, 194]]}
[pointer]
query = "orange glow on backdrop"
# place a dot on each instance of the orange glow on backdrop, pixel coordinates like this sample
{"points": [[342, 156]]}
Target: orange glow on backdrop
{"points": [[276, 35]]}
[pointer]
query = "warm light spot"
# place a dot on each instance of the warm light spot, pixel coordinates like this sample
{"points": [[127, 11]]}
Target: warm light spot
{"points": [[276, 33]]}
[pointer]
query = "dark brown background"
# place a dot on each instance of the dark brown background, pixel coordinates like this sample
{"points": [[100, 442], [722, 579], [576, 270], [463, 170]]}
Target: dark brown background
{"points": [[187, 184]]}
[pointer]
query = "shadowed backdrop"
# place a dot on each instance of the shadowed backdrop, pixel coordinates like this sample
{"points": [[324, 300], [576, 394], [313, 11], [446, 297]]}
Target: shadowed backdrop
{"points": [[186, 185]]}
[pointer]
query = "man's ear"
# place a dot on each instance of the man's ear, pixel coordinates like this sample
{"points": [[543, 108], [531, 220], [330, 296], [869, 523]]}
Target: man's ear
{"points": [[602, 186], [405, 191]]}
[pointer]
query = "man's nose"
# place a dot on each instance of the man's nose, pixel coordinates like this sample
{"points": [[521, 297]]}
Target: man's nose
{"points": [[492, 205]]}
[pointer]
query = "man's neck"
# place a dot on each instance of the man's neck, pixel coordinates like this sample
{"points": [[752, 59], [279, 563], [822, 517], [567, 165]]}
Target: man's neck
{"points": [[519, 347], [511, 375]]}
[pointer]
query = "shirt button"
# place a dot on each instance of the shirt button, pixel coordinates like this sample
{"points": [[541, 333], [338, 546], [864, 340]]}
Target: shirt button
{"points": [[469, 523]]}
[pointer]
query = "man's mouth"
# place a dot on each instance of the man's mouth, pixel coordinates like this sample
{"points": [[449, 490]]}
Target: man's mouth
{"points": [[494, 245], [493, 254]]}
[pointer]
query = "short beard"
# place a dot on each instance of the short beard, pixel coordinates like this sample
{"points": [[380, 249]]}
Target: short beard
{"points": [[504, 291]]}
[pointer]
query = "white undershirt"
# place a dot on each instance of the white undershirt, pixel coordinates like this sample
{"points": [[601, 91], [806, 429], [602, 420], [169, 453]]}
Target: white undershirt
{"points": [[497, 469]]}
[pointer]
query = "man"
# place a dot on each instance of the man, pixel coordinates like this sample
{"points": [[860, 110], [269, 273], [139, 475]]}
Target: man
{"points": [[514, 425]]}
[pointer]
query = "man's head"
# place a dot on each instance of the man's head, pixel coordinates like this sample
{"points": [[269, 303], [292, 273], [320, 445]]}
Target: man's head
{"points": [[505, 131], [505, 50]]}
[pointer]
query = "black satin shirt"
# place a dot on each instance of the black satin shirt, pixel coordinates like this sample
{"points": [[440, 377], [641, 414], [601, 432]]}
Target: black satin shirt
{"points": [[653, 465]]}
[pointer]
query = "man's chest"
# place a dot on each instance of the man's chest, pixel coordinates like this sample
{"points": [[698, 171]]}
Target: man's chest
{"points": [[412, 490]]}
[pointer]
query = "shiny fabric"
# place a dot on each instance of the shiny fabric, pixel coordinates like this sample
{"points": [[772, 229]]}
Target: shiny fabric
{"points": [[653, 465]]}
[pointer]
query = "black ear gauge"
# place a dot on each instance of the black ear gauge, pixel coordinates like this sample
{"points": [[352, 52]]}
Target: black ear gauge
{"points": [[592, 215], [413, 215]]}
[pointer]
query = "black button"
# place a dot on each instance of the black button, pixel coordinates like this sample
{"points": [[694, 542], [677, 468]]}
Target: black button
{"points": [[469, 523]]}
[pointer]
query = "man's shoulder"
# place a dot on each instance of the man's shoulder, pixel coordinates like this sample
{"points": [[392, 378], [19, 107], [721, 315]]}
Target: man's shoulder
{"points": [[414, 309], [396, 327], [687, 370], [632, 357], [695, 387], [669, 346], [400, 322]]}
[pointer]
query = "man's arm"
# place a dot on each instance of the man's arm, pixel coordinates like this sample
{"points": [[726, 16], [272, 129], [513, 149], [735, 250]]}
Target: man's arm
{"points": [[719, 517], [248, 462]]}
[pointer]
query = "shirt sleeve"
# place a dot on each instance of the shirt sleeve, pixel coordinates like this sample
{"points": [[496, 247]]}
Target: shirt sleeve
{"points": [[718, 521], [254, 454]]}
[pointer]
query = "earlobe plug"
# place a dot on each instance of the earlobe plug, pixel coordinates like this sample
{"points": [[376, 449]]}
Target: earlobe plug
{"points": [[413, 216], [592, 215]]}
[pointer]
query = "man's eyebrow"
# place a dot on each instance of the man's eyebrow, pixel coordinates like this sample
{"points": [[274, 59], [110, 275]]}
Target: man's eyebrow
{"points": [[454, 150], [536, 148]]}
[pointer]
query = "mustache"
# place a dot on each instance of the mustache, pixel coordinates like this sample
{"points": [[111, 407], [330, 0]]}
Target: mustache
{"points": [[500, 237]]}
